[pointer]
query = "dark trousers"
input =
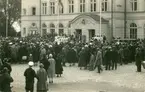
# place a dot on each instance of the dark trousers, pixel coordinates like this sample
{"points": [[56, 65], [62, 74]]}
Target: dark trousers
{"points": [[114, 64], [139, 68], [108, 65], [29, 90], [99, 68]]}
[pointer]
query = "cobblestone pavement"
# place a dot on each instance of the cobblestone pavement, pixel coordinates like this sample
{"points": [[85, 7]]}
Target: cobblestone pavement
{"points": [[125, 79]]}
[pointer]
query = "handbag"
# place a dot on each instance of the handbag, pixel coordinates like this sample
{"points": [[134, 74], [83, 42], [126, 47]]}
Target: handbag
{"points": [[47, 86], [143, 64], [24, 57]]}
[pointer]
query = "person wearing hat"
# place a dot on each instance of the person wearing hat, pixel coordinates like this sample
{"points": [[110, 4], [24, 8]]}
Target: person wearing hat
{"points": [[29, 77], [51, 69], [42, 85], [6, 80]]}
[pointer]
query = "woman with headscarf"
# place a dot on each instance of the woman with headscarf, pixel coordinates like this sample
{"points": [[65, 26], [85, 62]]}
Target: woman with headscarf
{"points": [[42, 85], [29, 77], [51, 69]]}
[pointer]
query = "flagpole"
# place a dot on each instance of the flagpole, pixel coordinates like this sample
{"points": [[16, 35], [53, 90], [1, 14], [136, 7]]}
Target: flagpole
{"points": [[58, 17], [100, 16], [40, 20], [7, 5]]}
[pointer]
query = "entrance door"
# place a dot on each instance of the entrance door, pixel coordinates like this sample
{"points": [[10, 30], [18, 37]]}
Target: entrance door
{"points": [[91, 33], [44, 32], [79, 34]]}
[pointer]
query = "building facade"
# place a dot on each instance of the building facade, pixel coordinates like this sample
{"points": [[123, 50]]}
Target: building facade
{"points": [[124, 19]]}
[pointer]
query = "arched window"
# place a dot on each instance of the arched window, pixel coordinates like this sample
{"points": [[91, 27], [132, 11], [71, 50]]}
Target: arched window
{"points": [[93, 6], [52, 28], [33, 29], [71, 6], [44, 29], [24, 11], [133, 31], [133, 5], [105, 5], [61, 29], [24, 31]]}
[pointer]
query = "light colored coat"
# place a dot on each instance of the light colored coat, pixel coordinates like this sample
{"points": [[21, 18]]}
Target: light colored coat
{"points": [[51, 69], [98, 58], [42, 85]]}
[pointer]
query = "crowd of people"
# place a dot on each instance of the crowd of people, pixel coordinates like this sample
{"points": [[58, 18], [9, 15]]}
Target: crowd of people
{"points": [[52, 56]]}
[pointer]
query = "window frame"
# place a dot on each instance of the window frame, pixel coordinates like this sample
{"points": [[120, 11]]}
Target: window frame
{"points": [[104, 5], [82, 6], [71, 6], [134, 6], [52, 7], [133, 31], [44, 8], [93, 5], [24, 11], [33, 11]]}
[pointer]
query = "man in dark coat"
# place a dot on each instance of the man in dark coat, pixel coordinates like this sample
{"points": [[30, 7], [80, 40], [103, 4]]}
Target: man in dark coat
{"points": [[114, 58], [45, 62], [138, 59], [58, 66], [108, 58], [29, 78], [82, 59], [36, 53], [6, 80], [71, 56], [7, 65]]}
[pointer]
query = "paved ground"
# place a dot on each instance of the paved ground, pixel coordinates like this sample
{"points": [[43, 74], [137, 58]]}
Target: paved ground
{"points": [[125, 79]]}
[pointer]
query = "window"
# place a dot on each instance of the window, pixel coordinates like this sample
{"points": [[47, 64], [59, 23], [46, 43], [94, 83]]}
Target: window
{"points": [[24, 31], [133, 5], [133, 31], [82, 5], [93, 5], [44, 8], [24, 11], [52, 7], [52, 28], [104, 5], [61, 29], [33, 10], [44, 29], [71, 6], [60, 7]]}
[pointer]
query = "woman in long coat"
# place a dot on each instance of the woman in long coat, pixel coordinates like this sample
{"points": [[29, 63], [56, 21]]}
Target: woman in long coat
{"points": [[42, 85], [82, 59], [92, 61], [98, 61], [51, 69], [58, 66]]}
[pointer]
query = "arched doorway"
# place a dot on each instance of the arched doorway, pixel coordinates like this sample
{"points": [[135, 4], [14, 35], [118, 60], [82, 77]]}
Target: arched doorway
{"points": [[61, 29], [44, 29], [52, 28], [133, 31], [33, 29]]}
